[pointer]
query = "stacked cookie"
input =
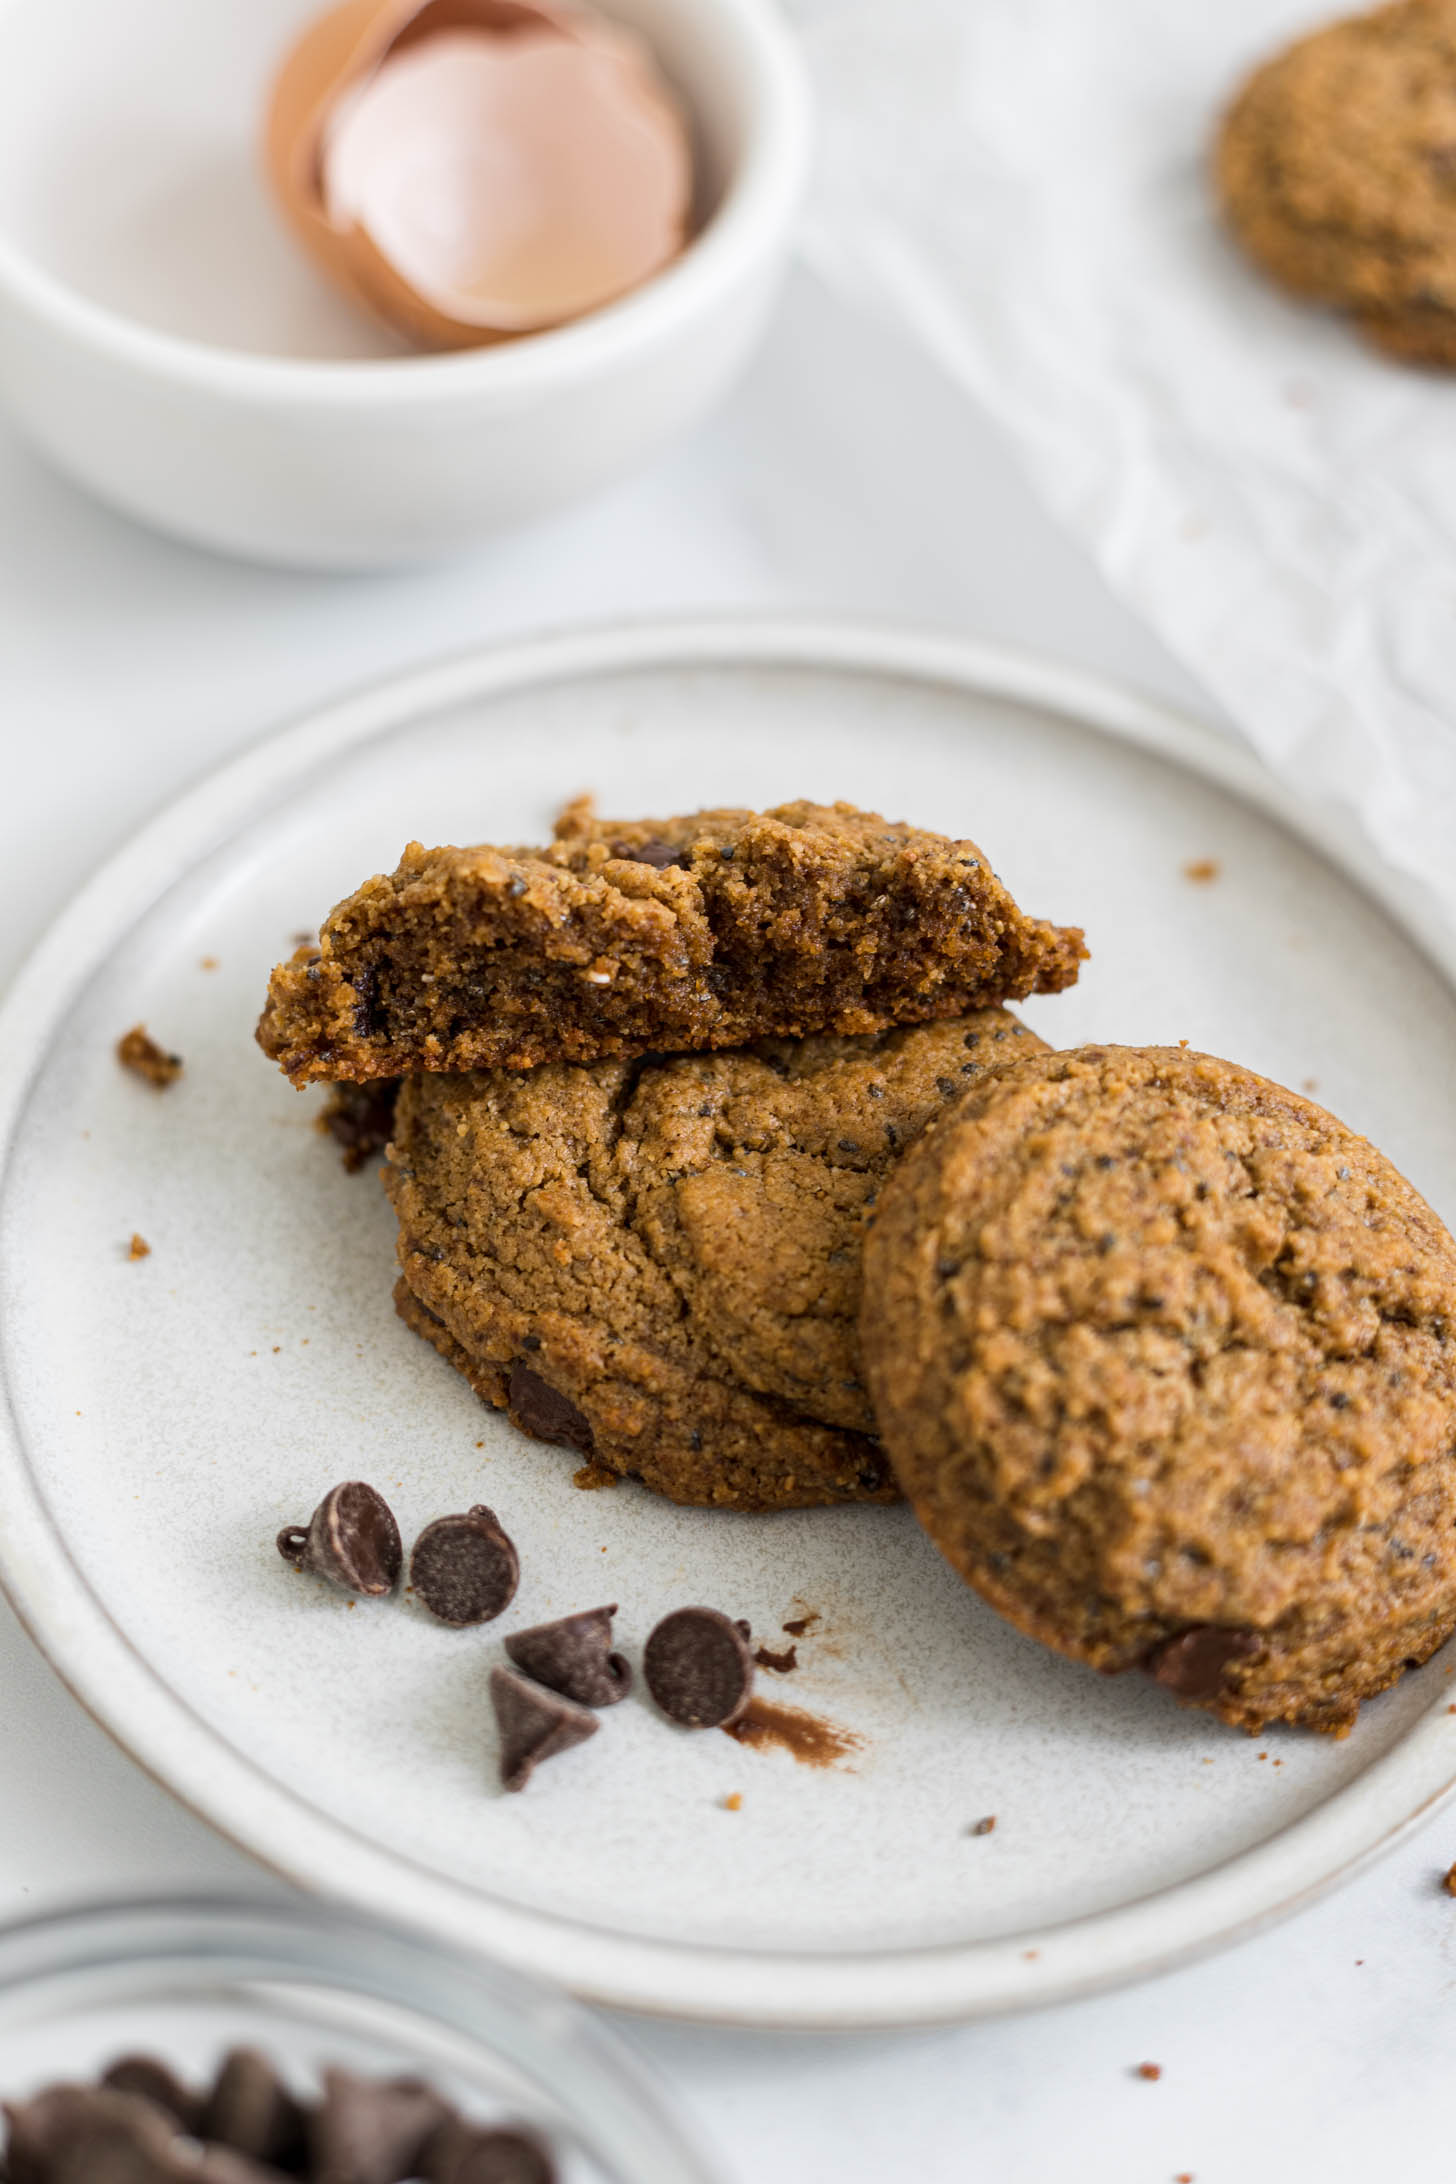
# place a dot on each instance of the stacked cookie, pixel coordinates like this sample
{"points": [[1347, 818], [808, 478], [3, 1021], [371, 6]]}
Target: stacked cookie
{"points": [[632, 1230], [719, 1159]]}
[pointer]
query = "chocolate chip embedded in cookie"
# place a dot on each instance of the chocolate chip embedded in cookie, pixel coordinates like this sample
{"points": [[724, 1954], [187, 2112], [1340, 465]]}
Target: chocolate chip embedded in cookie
{"points": [[657, 1264], [1336, 166], [1165, 1358], [663, 935]]}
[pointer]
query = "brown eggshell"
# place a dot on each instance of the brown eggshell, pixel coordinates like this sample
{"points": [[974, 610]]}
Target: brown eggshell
{"points": [[336, 52]]}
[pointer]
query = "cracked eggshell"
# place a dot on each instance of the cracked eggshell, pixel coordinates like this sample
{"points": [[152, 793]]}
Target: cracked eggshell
{"points": [[335, 60]]}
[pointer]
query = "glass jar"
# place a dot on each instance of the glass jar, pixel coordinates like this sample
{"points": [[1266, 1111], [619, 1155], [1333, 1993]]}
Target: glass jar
{"points": [[309, 1986]]}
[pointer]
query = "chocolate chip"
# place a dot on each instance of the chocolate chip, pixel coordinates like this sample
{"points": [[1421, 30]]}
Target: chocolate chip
{"points": [[360, 1119], [220, 2165], [372, 2131], [368, 1007], [465, 2153], [148, 2078], [534, 1724], [660, 855], [465, 1569], [1193, 1663], [251, 2110], [574, 1656], [352, 1540], [699, 1668], [67, 2126], [540, 1409]]}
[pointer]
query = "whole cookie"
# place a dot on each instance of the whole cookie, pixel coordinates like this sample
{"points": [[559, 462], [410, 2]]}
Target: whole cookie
{"points": [[657, 1263], [1336, 166], [1165, 1359]]}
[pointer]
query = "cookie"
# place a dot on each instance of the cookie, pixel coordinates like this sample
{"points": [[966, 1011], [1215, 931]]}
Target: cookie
{"points": [[1165, 1360], [661, 935], [1336, 166], [656, 1263]]}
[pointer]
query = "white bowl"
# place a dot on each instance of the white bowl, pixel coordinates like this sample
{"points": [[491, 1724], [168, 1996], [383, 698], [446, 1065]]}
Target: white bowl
{"points": [[163, 340]]}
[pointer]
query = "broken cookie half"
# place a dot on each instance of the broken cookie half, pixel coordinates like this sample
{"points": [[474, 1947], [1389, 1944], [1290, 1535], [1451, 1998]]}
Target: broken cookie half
{"points": [[665, 935]]}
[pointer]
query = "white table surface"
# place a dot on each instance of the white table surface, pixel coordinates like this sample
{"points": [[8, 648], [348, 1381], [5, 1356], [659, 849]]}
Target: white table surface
{"points": [[844, 475]]}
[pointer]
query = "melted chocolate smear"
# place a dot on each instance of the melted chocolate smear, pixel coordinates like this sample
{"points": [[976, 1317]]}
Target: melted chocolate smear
{"points": [[351, 1540], [780, 1663], [806, 1737], [574, 1656], [360, 1119], [801, 1623], [369, 1020], [465, 1569], [698, 1667], [1193, 1663], [660, 855], [542, 1410], [534, 1724]]}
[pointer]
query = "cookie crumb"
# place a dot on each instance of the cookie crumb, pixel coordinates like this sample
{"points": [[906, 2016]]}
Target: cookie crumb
{"points": [[1151, 2071], [208, 963], [591, 1477], [1448, 1881], [360, 1119], [145, 1059], [1309, 1084], [1202, 871], [138, 1248], [1029, 1956], [984, 1826], [780, 1663], [733, 1803]]}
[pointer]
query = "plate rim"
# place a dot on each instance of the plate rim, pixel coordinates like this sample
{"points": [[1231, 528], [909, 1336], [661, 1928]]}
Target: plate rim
{"points": [[761, 1988]]}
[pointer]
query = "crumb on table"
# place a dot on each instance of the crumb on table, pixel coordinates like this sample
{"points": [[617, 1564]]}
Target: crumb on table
{"points": [[1448, 1881], [138, 1248], [144, 1058], [591, 1477], [1150, 2071], [781, 1663], [1202, 870], [734, 1802], [983, 1826]]}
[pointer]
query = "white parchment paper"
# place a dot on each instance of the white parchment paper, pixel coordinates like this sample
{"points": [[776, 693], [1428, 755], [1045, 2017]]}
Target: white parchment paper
{"points": [[1024, 184]]}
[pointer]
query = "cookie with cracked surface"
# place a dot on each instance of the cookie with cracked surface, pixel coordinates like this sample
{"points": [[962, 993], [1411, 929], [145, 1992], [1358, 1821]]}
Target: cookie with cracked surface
{"points": [[1336, 167], [1165, 1360], [657, 1263], [663, 935]]}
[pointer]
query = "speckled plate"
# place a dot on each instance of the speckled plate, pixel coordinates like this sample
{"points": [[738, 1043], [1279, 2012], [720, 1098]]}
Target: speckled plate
{"points": [[165, 1415]]}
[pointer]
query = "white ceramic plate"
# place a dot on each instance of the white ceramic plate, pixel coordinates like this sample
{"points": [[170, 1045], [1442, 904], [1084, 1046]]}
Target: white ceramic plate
{"points": [[165, 1416]]}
